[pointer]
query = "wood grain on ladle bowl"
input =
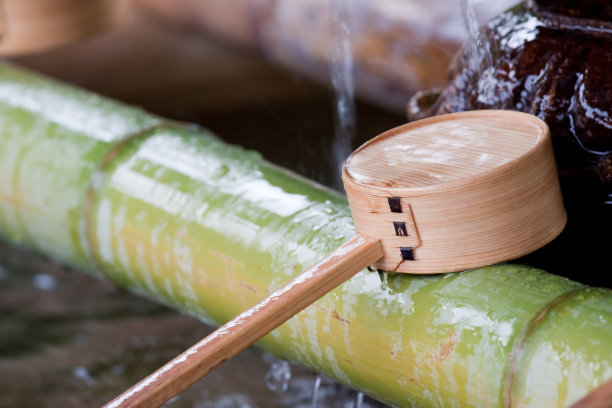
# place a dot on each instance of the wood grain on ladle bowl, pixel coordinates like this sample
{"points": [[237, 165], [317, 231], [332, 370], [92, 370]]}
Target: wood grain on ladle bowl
{"points": [[473, 188]]}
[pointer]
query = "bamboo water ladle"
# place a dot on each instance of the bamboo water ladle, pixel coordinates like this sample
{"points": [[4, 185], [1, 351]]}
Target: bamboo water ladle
{"points": [[439, 195]]}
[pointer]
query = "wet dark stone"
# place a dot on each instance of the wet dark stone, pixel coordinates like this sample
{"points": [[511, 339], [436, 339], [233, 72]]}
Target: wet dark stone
{"points": [[557, 74], [595, 9], [556, 65]]}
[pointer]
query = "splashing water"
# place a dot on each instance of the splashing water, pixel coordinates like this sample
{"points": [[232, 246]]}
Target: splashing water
{"points": [[315, 391], [43, 281], [83, 374], [233, 400], [480, 59], [358, 400], [384, 279], [475, 41], [278, 376], [326, 393], [345, 117]]}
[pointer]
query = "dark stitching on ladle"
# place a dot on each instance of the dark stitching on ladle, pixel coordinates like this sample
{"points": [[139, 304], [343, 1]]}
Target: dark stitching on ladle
{"points": [[400, 229], [407, 253], [395, 204]]}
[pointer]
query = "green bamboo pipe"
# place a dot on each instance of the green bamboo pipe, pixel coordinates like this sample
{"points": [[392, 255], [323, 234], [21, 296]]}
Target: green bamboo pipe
{"points": [[170, 212]]}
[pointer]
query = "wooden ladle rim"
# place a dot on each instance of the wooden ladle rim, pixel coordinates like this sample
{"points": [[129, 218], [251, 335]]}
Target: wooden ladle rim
{"points": [[543, 138]]}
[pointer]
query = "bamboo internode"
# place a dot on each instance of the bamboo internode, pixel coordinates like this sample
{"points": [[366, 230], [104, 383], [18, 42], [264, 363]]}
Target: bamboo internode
{"points": [[171, 212]]}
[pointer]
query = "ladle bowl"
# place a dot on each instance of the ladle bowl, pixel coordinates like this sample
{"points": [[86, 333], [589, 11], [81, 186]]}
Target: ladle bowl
{"points": [[456, 191]]}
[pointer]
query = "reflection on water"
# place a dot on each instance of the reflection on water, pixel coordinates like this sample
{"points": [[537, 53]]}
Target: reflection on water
{"points": [[278, 376]]}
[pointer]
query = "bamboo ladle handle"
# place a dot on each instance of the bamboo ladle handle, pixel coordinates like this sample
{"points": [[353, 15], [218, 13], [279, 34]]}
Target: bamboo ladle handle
{"points": [[251, 325], [600, 397]]}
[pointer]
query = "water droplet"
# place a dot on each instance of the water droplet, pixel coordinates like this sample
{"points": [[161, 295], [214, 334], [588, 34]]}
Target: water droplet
{"points": [[233, 400], [221, 171], [315, 391], [358, 400], [384, 279], [44, 281], [82, 374], [118, 370], [3, 273], [97, 179], [278, 376]]}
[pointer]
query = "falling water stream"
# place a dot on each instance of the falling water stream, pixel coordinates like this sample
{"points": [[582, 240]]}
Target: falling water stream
{"points": [[345, 117], [481, 54], [475, 42], [315, 391]]}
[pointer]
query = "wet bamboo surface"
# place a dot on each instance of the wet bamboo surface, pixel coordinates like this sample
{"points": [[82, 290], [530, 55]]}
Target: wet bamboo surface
{"points": [[512, 358], [80, 342], [171, 212], [69, 340]]}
